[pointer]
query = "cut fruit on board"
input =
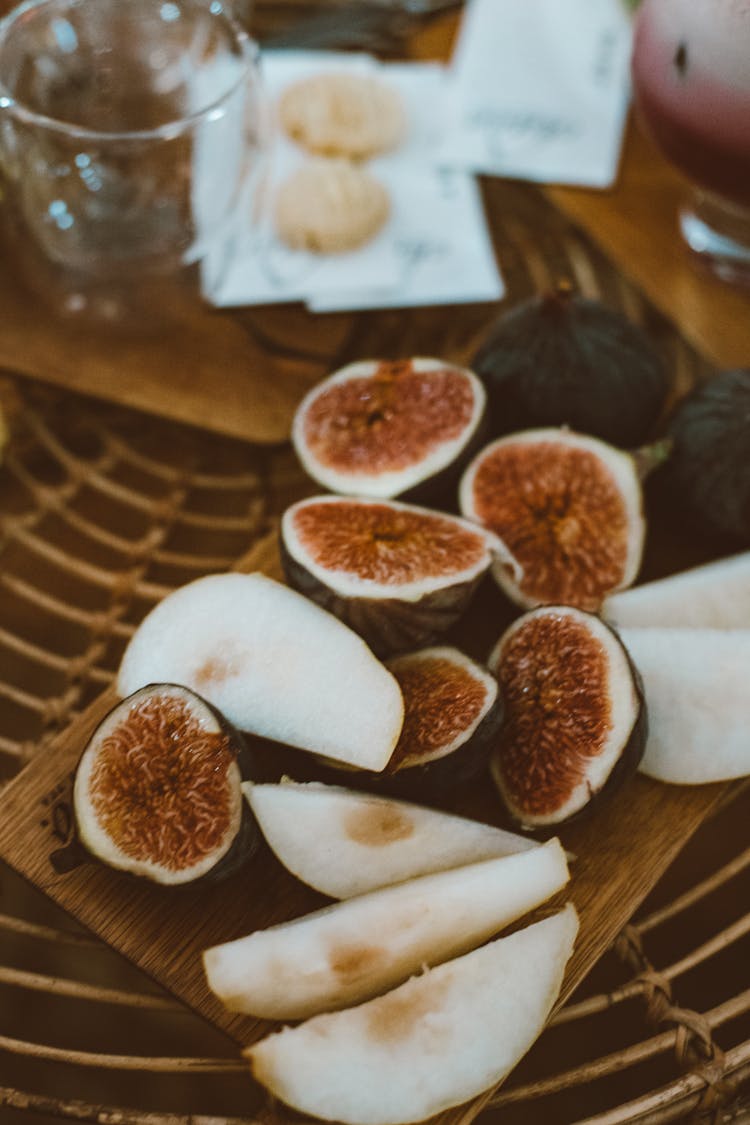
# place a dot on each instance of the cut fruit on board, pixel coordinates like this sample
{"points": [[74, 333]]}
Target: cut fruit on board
{"points": [[696, 684], [157, 791], [399, 575], [621, 852], [364, 842], [358, 948], [381, 428], [716, 596], [438, 1040], [575, 720], [568, 508], [273, 663], [452, 716]]}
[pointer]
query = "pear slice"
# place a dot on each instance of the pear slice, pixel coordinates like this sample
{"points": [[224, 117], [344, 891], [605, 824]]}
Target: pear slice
{"points": [[716, 596], [435, 1042], [345, 843], [696, 684], [363, 946], [273, 663]]}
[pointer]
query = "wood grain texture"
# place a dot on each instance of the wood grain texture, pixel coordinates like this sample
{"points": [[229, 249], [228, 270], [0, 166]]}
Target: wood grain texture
{"points": [[620, 854], [636, 225], [192, 364]]}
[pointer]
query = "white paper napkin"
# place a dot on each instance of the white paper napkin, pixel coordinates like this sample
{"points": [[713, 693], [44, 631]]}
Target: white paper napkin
{"points": [[440, 236], [434, 248], [540, 90], [257, 267]]}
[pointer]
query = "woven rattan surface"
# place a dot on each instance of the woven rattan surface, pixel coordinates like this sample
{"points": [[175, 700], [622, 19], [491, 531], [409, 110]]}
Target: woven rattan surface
{"points": [[106, 510]]}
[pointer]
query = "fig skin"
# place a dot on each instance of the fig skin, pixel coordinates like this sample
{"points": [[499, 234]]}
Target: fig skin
{"points": [[708, 473], [247, 838], [561, 359], [626, 766], [388, 625], [416, 483], [391, 625], [432, 781], [461, 764]]}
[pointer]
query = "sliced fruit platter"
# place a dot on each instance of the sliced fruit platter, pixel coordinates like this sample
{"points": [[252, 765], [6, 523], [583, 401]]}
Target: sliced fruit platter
{"points": [[270, 742]]}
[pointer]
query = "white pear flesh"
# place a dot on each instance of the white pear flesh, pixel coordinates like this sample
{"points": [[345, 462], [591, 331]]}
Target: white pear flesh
{"points": [[363, 946], [714, 596], [345, 843], [439, 1040], [696, 686], [274, 664]]}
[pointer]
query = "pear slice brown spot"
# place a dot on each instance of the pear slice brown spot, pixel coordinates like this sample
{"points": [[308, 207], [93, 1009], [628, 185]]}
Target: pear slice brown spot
{"points": [[377, 825], [397, 1015], [353, 961]]}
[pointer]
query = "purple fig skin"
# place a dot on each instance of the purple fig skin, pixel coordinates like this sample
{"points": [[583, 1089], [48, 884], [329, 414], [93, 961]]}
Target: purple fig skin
{"points": [[560, 359], [247, 837], [626, 766], [707, 476], [431, 783], [388, 625]]}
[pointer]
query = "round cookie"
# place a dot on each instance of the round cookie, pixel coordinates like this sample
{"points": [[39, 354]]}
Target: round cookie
{"points": [[352, 115], [330, 206]]}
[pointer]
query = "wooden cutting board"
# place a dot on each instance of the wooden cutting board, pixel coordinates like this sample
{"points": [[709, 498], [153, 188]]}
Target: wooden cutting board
{"points": [[620, 853]]}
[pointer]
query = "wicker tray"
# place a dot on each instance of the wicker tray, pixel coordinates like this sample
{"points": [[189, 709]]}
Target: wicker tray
{"points": [[104, 511]]}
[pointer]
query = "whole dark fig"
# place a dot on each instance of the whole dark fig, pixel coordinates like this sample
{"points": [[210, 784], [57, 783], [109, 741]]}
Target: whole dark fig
{"points": [[560, 359], [708, 472]]}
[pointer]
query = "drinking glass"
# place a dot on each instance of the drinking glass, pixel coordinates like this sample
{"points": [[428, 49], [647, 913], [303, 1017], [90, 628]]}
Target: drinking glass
{"points": [[128, 132], [691, 79]]}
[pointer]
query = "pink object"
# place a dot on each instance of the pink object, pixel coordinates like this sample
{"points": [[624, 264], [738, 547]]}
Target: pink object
{"points": [[691, 78]]}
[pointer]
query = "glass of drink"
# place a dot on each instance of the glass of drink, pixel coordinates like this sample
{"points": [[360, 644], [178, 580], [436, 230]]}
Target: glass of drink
{"points": [[691, 80], [128, 129]]}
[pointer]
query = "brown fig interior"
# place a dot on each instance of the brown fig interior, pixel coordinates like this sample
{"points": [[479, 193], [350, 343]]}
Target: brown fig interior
{"points": [[159, 785], [385, 543], [561, 514], [389, 420], [442, 700], [554, 677]]}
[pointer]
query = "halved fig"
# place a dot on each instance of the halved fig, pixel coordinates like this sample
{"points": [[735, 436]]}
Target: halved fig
{"points": [[363, 842], [452, 714], [569, 510], [157, 790], [575, 718], [382, 428], [272, 662], [396, 574], [699, 707], [435, 1042], [362, 946], [715, 596]]}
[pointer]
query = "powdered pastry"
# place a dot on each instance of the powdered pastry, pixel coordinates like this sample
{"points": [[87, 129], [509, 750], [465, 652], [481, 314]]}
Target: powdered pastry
{"points": [[330, 206], [350, 115]]}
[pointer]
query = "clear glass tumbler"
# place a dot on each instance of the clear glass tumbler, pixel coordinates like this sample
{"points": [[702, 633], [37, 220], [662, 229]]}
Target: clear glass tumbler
{"points": [[128, 132], [691, 79]]}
